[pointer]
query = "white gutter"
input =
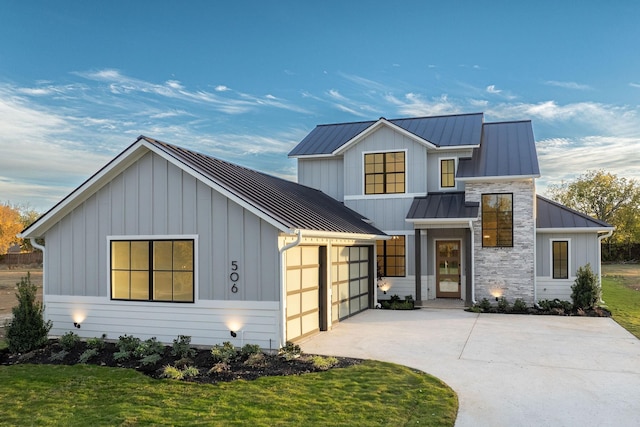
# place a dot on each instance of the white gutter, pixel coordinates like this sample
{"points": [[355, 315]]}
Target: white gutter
{"points": [[473, 261], [283, 287], [600, 239]]}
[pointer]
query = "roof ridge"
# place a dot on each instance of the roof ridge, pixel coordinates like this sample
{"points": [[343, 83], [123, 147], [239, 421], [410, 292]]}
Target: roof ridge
{"points": [[508, 121]]}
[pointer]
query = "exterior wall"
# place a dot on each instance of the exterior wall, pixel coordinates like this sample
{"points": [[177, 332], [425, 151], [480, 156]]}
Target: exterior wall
{"points": [[433, 168], [583, 249], [509, 271], [326, 175]]}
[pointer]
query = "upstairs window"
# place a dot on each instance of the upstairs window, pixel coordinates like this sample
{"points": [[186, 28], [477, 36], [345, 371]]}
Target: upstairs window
{"points": [[497, 220], [152, 270], [560, 256], [447, 173], [384, 173], [391, 257]]}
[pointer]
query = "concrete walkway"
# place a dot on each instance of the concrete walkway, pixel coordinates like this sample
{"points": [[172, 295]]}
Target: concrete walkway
{"points": [[508, 370]]}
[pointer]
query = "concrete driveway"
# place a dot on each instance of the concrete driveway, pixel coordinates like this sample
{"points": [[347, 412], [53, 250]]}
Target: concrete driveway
{"points": [[508, 370]]}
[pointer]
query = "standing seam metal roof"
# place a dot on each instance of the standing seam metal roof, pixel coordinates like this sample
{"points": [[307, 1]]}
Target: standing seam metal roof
{"points": [[554, 215], [291, 204], [442, 131], [443, 206]]}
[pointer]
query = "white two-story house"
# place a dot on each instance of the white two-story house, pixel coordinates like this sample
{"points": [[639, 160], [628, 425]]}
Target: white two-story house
{"points": [[458, 195]]}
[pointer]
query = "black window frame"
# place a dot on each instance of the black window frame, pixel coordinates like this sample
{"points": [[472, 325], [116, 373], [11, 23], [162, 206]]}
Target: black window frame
{"points": [[383, 254], [386, 174], [450, 174], [563, 269], [151, 269], [503, 222]]}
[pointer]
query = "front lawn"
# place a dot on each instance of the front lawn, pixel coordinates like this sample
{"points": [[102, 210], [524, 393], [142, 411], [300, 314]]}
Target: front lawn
{"points": [[372, 393], [623, 301]]}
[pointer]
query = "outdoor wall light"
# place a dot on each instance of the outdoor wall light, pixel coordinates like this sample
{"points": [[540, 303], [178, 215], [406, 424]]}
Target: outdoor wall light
{"points": [[384, 285], [233, 333], [76, 324]]}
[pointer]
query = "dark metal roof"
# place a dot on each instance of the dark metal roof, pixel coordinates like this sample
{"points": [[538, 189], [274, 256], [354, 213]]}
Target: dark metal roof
{"points": [[554, 215], [443, 206], [291, 204], [442, 131], [507, 149]]}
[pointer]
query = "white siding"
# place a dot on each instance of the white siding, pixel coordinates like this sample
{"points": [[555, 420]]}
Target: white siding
{"points": [[326, 175], [433, 168], [207, 322], [154, 197]]}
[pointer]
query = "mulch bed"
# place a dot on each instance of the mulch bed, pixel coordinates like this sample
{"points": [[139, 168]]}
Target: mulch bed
{"points": [[271, 364]]}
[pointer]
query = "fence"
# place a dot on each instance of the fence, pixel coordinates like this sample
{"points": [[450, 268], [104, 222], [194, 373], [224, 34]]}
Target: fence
{"points": [[23, 258], [617, 252]]}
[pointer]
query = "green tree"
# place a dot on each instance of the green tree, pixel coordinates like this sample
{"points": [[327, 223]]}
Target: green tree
{"points": [[604, 196]]}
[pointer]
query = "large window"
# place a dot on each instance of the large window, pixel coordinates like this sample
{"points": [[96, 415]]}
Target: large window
{"points": [[152, 270], [392, 257], [384, 173], [497, 220], [447, 173], [560, 256]]}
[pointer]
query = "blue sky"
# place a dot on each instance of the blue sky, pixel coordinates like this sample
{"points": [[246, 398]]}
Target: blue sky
{"points": [[246, 80]]}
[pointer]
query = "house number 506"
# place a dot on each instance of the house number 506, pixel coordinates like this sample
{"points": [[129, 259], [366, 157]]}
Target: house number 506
{"points": [[234, 276]]}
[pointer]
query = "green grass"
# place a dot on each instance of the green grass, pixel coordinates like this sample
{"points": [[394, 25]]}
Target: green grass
{"points": [[373, 393], [623, 302]]}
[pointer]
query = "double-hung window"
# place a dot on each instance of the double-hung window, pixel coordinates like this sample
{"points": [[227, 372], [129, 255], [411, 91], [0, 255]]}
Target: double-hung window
{"points": [[152, 270], [497, 220], [560, 259], [384, 173], [391, 257]]}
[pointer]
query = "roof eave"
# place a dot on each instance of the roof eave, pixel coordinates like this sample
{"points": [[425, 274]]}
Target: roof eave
{"points": [[575, 230], [497, 178]]}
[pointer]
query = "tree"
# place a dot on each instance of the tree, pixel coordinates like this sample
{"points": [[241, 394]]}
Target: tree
{"points": [[10, 226], [604, 196]]}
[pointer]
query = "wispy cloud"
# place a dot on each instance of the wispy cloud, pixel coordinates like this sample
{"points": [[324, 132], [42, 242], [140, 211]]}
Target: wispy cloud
{"points": [[636, 85], [493, 89], [568, 85]]}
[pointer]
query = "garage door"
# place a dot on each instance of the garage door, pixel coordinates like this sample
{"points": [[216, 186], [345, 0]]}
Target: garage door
{"points": [[303, 279], [350, 280]]}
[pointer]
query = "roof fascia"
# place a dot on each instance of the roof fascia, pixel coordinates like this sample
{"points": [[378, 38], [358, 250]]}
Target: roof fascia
{"points": [[339, 235], [440, 220], [312, 156], [497, 178], [457, 147], [575, 230], [377, 125]]}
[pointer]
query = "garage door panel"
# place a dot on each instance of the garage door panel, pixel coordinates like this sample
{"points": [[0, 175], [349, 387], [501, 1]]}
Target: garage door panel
{"points": [[303, 287], [310, 277], [309, 301], [310, 323], [352, 281]]}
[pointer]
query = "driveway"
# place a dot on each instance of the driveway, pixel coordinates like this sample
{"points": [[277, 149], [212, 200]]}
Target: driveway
{"points": [[508, 370]]}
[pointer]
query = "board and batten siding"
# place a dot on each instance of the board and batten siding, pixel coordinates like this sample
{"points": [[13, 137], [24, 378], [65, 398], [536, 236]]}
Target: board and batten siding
{"points": [[583, 249], [433, 168], [324, 174]]}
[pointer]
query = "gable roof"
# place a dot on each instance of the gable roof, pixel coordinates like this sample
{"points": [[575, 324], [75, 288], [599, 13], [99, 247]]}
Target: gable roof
{"points": [[440, 131], [442, 206], [552, 216], [508, 150], [285, 204]]}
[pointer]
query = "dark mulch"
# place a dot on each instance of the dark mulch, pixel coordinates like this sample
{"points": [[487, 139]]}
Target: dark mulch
{"points": [[270, 365], [556, 311]]}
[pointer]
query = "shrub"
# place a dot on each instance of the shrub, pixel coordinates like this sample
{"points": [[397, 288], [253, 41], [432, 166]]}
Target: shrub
{"points": [[27, 330], [96, 343], [148, 348], [485, 305], [126, 346], [519, 306], [324, 363], [88, 355], [256, 360], [68, 341], [151, 359], [190, 372], [181, 347], [250, 349], [585, 291], [555, 304], [503, 305], [219, 368], [58, 356], [290, 351], [223, 352], [172, 372]]}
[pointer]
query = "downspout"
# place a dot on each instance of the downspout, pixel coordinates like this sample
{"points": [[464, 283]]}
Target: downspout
{"points": [[473, 262], [44, 267], [283, 287], [600, 239]]}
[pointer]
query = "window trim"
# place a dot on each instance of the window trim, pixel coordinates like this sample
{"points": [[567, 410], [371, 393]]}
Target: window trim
{"points": [[551, 257], [172, 237], [363, 173], [497, 229], [384, 255], [455, 169]]}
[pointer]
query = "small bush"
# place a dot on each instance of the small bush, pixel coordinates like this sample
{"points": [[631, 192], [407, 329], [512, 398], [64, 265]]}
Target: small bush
{"points": [[503, 305], [96, 343], [324, 363], [394, 298], [190, 372], [519, 306], [256, 360], [290, 351], [68, 341], [126, 346], [151, 359], [250, 349], [88, 355], [485, 305], [58, 356], [182, 347], [172, 372], [148, 348], [585, 291], [219, 368], [555, 304], [27, 330], [223, 352]]}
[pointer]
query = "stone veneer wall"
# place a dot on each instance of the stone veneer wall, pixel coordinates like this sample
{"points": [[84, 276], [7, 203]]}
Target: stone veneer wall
{"points": [[506, 272]]}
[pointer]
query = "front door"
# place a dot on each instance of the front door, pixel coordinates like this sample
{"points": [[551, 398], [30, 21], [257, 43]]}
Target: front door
{"points": [[448, 269]]}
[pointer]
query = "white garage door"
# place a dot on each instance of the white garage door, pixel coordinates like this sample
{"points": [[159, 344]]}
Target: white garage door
{"points": [[303, 279], [349, 281]]}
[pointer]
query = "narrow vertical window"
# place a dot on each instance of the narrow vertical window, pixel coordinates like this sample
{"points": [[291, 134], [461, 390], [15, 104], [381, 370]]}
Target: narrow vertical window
{"points": [[497, 220], [384, 173], [560, 259], [392, 257], [447, 173]]}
